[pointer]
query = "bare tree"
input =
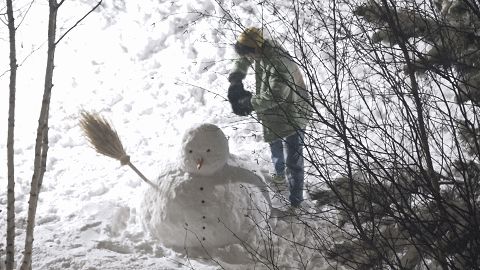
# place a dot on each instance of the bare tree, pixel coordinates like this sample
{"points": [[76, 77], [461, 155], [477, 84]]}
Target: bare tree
{"points": [[10, 249], [395, 132], [41, 145]]}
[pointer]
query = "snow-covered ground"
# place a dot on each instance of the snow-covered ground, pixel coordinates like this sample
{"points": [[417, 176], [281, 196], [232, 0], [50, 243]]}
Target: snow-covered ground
{"points": [[153, 69]]}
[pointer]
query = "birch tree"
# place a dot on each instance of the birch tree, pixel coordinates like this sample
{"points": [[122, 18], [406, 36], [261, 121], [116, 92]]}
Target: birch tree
{"points": [[41, 143], [10, 249]]}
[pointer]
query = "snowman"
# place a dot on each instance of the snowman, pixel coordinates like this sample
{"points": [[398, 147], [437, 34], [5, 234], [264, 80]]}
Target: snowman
{"points": [[202, 202]]}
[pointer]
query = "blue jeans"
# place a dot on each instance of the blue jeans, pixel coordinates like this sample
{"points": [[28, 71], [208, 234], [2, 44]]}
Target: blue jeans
{"points": [[293, 163]]}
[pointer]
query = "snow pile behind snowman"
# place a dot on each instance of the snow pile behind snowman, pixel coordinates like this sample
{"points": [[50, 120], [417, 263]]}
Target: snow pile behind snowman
{"points": [[201, 203]]}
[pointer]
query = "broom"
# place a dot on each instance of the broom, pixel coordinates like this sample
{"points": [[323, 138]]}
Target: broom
{"points": [[104, 139]]}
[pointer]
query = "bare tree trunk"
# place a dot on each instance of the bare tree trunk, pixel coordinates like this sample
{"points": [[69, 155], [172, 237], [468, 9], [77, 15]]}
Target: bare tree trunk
{"points": [[10, 249], [422, 130], [41, 144]]}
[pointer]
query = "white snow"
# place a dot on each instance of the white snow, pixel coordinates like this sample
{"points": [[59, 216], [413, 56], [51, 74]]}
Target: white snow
{"points": [[153, 68]]}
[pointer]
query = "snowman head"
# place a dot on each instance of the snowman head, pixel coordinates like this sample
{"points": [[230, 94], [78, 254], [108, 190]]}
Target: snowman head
{"points": [[204, 150]]}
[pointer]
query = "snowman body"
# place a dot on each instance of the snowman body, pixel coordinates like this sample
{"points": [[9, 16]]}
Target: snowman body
{"points": [[211, 211]]}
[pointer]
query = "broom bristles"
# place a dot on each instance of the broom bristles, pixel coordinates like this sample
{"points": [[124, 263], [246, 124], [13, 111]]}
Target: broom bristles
{"points": [[103, 137]]}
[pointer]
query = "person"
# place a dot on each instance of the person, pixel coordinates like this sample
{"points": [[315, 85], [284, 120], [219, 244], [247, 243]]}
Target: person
{"points": [[280, 102]]}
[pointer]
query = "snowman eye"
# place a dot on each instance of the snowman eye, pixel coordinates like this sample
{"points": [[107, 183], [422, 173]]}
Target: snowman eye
{"points": [[190, 151], [208, 150]]}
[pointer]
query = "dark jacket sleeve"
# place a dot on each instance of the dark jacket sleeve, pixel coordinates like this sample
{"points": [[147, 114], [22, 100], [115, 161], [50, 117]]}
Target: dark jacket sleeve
{"points": [[239, 70]]}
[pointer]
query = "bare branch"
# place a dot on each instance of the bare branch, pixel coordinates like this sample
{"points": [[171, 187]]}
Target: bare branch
{"points": [[79, 21], [25, 14]]}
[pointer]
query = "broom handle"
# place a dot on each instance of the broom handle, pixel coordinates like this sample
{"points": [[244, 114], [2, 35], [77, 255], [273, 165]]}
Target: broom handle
{"points": [[141, 175]]}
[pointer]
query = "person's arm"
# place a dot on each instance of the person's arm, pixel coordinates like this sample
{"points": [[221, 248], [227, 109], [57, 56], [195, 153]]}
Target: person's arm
{"points": [[239, 70], [237, 96]]}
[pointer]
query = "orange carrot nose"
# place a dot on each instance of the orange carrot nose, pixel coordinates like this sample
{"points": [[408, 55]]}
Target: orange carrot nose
{"points": [[199, 163]]}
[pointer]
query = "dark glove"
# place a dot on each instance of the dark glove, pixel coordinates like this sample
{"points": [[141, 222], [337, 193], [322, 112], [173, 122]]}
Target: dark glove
{"points": [[243, 106], [240, 99], [235, 91]]}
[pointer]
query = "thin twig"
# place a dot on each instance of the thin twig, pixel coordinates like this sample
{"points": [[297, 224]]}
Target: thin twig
{"points": [[78, 22]]}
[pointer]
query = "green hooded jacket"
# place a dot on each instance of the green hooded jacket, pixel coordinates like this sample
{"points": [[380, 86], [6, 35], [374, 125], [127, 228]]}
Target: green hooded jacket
{"points": [[281, 98]]}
